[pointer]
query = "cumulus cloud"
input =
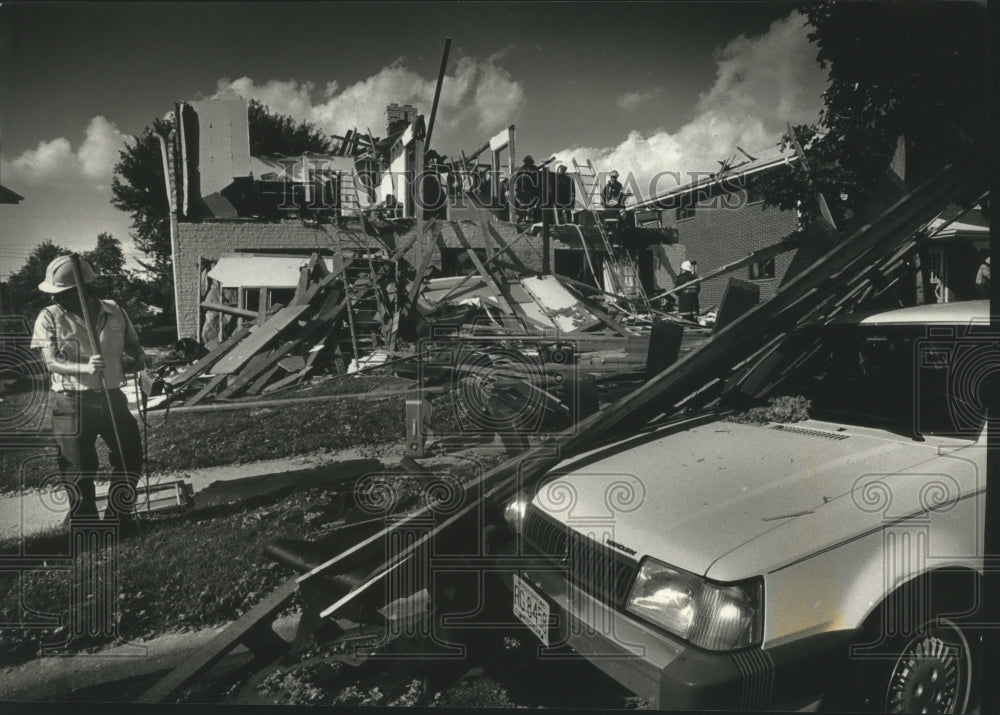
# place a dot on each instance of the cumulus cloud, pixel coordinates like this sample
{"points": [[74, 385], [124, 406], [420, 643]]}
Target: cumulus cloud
{"points": [[54, 162], [761, 84], [631, 101], [476, 92]]}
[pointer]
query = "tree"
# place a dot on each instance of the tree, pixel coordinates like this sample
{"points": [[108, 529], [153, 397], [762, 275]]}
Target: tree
{"points": [[139, 188], [21, 294], [114, 281], [272, 133], [139, 185], [916, 70], [111, 280]]}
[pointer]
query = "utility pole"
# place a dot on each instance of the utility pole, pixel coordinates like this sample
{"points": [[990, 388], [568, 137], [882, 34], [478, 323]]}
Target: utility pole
{"points": [[546, 199]]}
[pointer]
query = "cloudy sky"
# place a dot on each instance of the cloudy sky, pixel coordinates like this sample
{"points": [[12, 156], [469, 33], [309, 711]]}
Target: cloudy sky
{"points": [[643, 87]]}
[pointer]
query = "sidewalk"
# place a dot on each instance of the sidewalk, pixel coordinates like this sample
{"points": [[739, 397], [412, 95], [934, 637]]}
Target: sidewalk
{"points": [[37, 511]]}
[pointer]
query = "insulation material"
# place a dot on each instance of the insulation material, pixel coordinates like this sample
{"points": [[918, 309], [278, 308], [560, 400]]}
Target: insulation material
{"points": [[562, 307], [242, 271]]}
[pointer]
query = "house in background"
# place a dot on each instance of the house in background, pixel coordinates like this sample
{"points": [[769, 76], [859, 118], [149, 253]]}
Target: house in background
{"points": [[722, 218]]}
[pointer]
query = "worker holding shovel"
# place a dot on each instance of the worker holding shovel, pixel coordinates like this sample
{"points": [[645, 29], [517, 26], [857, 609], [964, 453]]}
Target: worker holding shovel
{"points": [[84, 341]]}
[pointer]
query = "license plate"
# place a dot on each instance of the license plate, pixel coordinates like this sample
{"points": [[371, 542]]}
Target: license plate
{"points": [[531, 608]]}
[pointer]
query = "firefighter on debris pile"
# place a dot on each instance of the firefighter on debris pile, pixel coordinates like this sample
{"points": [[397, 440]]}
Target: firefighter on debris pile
{"points": [[688, 297], [527, 193]]}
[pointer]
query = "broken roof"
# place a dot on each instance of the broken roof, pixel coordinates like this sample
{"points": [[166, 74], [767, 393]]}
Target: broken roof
{"points": [[726, 180]]}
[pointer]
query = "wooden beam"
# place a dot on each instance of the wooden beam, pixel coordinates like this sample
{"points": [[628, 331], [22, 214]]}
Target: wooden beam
{"points": [[241, 631], [182, 378], [230, 310], [210, 387], [260, 339], [824, 209], [437, 94]]}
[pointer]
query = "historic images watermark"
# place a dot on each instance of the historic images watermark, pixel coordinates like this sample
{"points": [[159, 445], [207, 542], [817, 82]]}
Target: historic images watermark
{"points": [[316, 184]]}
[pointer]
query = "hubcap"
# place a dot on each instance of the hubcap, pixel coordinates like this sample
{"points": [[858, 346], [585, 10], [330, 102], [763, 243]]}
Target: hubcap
{"points": [[932, 674]]}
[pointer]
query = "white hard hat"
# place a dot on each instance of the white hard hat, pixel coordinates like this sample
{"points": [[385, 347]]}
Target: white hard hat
{"points": [[59, 275], [686, 266]]}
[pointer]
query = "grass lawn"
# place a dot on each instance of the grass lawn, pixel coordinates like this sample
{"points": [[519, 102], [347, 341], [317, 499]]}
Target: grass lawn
{"points": [[205, 439], [187, 570]]}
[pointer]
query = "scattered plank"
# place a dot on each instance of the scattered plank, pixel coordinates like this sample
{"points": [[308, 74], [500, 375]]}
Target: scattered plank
{"points": [[183, 378]]}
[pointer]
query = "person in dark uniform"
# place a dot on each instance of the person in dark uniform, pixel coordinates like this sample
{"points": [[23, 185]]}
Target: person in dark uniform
{"points": [[565, 199], [613, 193], [687, 298], [527, 191]]}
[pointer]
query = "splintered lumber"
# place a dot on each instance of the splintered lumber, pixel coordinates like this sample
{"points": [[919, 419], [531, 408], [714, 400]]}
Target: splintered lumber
{"points": [[210, 387], [257, 366], [260, 339], [251, 629], [270, 330], [183, 378], [261, 381], [730, 346]]}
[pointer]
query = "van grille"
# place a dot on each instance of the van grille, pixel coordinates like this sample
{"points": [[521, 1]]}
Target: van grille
{"points": [[593, 567]]}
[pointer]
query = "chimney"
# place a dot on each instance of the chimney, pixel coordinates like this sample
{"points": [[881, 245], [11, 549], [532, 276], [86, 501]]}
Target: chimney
{"points": [[399, 117]]}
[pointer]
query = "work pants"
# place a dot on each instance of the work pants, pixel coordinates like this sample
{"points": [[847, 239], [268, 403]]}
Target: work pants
{"points": [[78, 419]]}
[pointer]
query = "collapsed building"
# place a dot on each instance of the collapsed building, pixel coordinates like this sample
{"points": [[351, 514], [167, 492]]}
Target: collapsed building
{"points": [[241, 224], [413, 238]]}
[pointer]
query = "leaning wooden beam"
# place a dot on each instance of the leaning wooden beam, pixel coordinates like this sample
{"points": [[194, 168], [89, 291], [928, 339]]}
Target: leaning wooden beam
{"points": [[790, 243], [210, 387], [270, 330], [260, 339], [246, 630], [231, 310], [182, 378]]}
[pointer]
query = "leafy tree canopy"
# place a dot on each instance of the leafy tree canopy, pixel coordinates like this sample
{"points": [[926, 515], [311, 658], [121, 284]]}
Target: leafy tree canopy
{"points": [[272, 133], [112, 279], [896, 69]]}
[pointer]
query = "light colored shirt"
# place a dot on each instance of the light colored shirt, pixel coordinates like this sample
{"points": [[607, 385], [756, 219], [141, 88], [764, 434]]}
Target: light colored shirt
{"points": [[66, 335]]}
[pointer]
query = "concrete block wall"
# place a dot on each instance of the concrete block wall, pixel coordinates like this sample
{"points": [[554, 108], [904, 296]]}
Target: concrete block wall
{"points": [[211, 239], [716, 236]]}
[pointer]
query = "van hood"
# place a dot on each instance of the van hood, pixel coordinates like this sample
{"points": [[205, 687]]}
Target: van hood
{"points": [[689, 497]]}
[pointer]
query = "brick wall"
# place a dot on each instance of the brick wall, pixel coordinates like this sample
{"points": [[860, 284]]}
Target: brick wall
{"points": [[716, 236]]}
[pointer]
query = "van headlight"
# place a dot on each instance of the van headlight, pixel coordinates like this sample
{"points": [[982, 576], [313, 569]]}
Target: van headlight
{"points": [[513, 512], [709, 615]]}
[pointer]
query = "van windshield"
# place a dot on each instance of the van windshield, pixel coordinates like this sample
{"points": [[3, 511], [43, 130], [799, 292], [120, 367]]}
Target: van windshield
{"points": [[894, 377]]}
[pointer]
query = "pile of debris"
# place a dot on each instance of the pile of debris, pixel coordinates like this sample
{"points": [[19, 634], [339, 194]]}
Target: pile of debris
{"points": [[376, 310], [292, 340]]}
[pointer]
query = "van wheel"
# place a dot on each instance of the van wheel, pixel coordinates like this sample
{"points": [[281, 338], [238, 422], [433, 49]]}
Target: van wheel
{"points": [[930, 670]]}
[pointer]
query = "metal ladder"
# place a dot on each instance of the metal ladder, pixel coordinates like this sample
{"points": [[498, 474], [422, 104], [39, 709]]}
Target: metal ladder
{"points": [[350, 204], [592, 190]]}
